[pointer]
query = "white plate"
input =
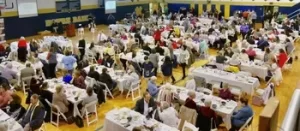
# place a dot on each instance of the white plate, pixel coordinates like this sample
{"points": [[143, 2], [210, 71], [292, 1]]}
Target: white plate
{"points": [[124, 121]]}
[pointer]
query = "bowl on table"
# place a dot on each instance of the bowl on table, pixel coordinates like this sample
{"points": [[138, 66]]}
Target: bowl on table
{"points": [[223, 103]]}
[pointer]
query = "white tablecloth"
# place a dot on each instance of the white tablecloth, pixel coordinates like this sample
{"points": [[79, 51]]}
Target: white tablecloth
{"points": [[11, 123], [114, 121], [61, 41], [71, 92], [226, 111], [255, 69], [246, 84], [117, 27], [121, 80]]}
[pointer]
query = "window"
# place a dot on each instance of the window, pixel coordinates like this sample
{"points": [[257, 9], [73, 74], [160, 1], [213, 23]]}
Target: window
{"points": [[67, 5]]}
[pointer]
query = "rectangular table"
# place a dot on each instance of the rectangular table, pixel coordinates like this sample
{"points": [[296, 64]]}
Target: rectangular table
{"points": [[115, 120], [225, 111], [71, 92], [260, 71], [12, 124], [246, 84]]}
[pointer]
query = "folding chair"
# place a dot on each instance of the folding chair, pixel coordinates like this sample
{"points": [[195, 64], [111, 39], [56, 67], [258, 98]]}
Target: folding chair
{"points": [[25, 82], [135, 86], [43, 127], [90, 82], [247, 124], [189, 127], [90, 108], [106, 90], [56, 112]]}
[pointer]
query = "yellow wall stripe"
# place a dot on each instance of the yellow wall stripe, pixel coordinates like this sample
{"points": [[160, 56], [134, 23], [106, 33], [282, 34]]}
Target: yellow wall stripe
{"points": [[86, 7], [200, 8], [208, 7], [44, 11], [9, 14], [217, 6], [226, 11]]}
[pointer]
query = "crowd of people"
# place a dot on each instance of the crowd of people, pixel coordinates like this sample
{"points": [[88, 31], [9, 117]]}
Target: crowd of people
{"points": [[168, 37]]}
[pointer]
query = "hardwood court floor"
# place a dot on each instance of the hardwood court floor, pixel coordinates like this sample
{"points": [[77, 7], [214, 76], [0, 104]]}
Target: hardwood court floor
{"points": [[283, 92]]}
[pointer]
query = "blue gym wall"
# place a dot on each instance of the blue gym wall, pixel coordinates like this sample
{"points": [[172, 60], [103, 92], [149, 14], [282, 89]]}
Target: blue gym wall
{"points": [[16, 27]]}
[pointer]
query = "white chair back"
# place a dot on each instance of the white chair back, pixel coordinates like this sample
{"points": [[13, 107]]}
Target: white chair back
{"points": [[135, 86], [247, 124], [90, 81], [106, 89], [56, 111], [91, 108], [189, 127]]}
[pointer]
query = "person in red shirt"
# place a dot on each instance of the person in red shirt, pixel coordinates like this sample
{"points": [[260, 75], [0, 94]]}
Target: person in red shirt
{"points": [[157, 35], [133, 28], [282, 58], [251, 53], [22, 43], [2, 50], [206, 117], [22, 49], [189, 102]]}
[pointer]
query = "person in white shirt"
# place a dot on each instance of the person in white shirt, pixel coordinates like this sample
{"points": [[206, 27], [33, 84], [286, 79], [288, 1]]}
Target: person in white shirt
{"points": [[183, 59], [244, 56], [168, 115], [191, 83], [132, 76], [101, 37]]}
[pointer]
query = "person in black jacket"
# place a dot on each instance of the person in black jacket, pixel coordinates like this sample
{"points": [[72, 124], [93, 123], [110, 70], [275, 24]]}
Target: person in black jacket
{"points": [[106, 78], [139, 37], [167, 69], [45, 94], [34, 117], [140, 104], [94, 74], [107, 61], [147, 48], [81, 47], [15, 109]]}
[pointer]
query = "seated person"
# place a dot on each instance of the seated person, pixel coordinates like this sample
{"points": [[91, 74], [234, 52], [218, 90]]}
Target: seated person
{"points": [[35, 85], [228, 52], [34, 117], [206, 114], [251, 53], [147, 48], [5, 96], [146, 105], [106, 78], [240, 117], [189, 102], [60, 99], [225, 92], [78, 80], [152, 88], [220, 58], [191, 83], [9, 74], [15, 109], [244, 56], [91, 96], [94, 74], [28, 71], [168, 115], [67, 78], [107, 61]]}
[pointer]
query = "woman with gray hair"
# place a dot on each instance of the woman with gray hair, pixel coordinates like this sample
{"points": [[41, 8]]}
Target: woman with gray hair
{"points": [[168, 115]]}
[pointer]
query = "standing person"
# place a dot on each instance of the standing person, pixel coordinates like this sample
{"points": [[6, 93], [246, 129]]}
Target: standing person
{"points": [[157, 35], [52, 60], [254, 17], [244, 29], [148, 67], [183, 59], [22, 49], [81, 47], [68, 62], [154, 59], [167, 69]]}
